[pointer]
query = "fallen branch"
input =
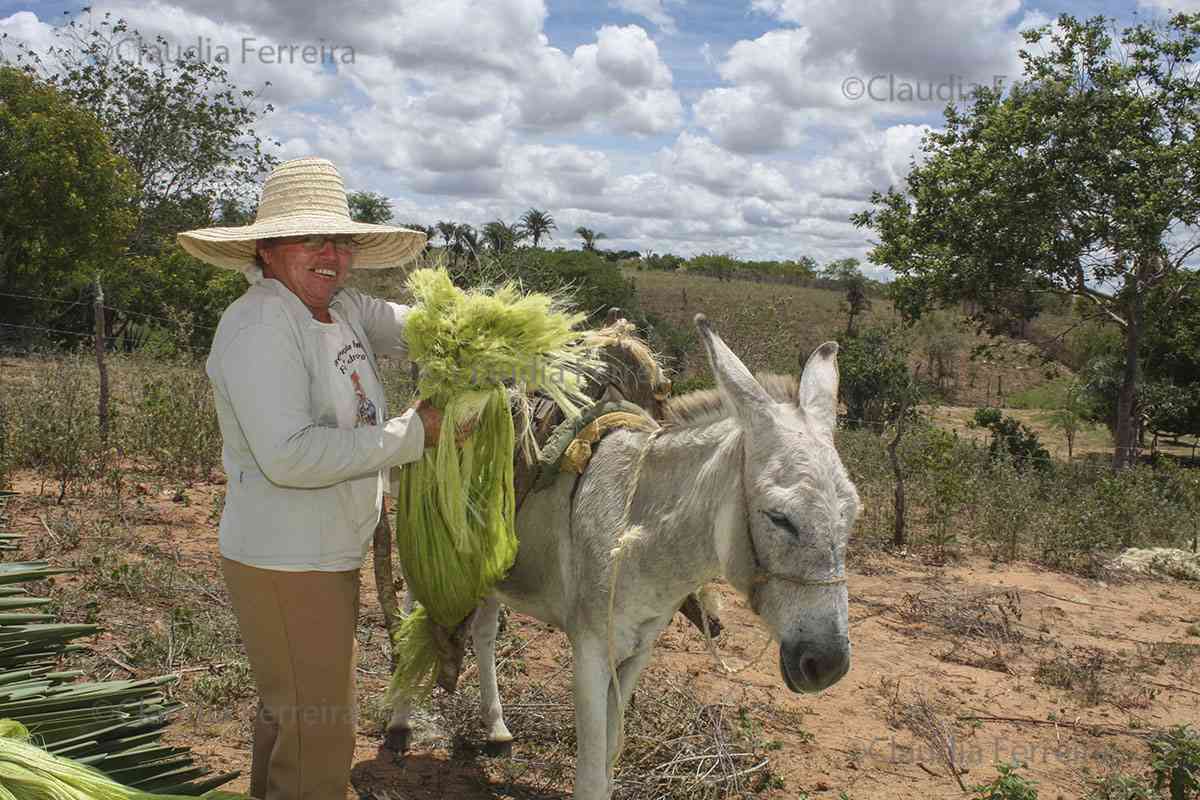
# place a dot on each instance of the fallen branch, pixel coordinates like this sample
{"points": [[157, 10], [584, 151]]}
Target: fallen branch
{"points": [[1076, 602], [1107, 730]]}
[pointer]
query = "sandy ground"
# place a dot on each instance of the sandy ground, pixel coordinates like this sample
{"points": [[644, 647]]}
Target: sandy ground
{"points": [[1078, 669]]}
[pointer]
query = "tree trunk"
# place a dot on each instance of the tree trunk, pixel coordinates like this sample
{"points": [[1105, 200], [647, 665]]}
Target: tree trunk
{"points": [[1123, 455], [899, 538]]}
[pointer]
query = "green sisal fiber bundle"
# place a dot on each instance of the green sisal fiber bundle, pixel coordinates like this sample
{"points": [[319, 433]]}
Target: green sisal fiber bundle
{"points": [[455, 526], [28, 772]]}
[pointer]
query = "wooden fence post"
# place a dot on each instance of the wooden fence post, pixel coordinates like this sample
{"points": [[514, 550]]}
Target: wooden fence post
{"points": [[99, 313]]}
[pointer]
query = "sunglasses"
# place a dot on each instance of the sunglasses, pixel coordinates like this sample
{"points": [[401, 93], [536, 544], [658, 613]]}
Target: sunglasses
{"points": [[342, 243]]}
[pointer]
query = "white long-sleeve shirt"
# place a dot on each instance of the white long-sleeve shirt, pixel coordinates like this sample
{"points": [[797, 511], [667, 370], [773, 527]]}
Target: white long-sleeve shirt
{"points": [[304, 493]]}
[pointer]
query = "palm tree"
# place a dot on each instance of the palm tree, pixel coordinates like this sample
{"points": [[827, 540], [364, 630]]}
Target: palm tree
{"points": [[446, 231], [537, 224], [589, 237], [429, 230], [501, 237], [466, 240]]}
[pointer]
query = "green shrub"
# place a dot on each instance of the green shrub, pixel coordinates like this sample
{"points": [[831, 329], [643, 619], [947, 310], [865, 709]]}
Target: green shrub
{"points": [[1012, 439], [1008, 785], [55, 427], [170, 423], [1176, 763], [1122, 787], [595, 283]]}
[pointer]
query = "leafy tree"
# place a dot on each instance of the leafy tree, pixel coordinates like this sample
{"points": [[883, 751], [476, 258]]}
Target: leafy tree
{"points": [[1073, 183], [874, 377], [720, 266], [1167, 399], [232, 213], [841, 270], [589, 237], [805, 266], [65, 195], [369, 207], [185, 129], [537, 224]]}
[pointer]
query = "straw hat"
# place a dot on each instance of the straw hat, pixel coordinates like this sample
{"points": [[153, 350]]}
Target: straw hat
{"points": [[301, 197]]}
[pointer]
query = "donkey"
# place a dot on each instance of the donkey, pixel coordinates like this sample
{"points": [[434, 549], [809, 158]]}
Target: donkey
{"points": [[746, 485]]}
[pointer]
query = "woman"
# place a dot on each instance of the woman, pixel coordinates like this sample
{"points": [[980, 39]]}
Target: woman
{"points": [[307, 444]]}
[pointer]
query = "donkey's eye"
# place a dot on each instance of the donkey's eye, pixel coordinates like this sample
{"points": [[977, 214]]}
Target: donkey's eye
{"points": [[782, 521]]}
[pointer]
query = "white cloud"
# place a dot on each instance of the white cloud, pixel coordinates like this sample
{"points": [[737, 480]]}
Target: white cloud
{"points": [[24, 26], [1174, 6], [852, 65], [651, 10], [621, 79], [463, 110]]}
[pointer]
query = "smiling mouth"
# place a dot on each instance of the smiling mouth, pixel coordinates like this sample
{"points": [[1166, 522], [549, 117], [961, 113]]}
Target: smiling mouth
{"points": [[328, 274]]}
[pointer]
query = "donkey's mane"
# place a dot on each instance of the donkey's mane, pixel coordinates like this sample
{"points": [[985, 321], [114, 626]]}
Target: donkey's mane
{"points": [[703, 407]]}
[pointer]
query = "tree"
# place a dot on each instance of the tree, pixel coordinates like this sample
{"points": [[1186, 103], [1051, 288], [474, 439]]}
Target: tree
{"points": [[878, 389], [429, 230], [501, 237], [841, 270], [1073, 183], [874, 376], [1071, 417], [185, 129], [369, 207], [231, 213], [537, 224], [1167, 399], [589, 237], [857, 300], [465, 240], [446, 230], [65, 195]]}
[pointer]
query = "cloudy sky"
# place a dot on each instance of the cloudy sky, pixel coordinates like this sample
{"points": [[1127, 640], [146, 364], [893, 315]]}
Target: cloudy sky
{"points": [[749, 127]]}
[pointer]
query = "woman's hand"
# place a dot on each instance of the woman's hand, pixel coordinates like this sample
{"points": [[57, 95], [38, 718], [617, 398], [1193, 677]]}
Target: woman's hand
{"points": [[431, 420]]}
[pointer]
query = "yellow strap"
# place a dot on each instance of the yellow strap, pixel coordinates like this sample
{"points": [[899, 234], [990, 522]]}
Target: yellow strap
{"points": [[579, 451]]}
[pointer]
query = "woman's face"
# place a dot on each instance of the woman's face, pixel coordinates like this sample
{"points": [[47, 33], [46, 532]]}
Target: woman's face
{"points": [[313, 267]]}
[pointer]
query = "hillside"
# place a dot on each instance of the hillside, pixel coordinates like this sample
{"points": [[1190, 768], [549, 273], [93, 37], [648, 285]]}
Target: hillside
{"points": [[773, 326]]}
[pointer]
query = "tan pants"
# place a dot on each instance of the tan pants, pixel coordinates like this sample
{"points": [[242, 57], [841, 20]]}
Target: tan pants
{"points": [[298, 629]]}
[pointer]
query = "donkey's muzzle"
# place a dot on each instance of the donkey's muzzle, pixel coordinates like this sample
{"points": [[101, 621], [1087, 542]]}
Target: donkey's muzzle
{"points": [[810, 666]]}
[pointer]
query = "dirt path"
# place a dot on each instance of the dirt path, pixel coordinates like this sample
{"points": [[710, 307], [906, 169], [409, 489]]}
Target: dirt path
{"points": [[968, 639]]}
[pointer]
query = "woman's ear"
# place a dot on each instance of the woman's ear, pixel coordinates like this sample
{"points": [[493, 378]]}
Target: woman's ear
{"points": [[263, 255]]}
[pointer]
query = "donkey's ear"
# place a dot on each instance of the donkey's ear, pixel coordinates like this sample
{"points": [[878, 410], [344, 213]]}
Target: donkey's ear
{"points": [[738, 388], [819, 389]]}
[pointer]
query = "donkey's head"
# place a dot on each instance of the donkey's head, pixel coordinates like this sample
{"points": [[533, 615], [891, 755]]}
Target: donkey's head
{"points": [[800, 507]]}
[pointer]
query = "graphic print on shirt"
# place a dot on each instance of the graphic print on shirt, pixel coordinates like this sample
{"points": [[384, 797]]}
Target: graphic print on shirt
{"points": [[346, 361], [367, 415]]}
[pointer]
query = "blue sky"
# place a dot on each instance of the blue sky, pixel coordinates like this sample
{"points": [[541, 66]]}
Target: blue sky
{"points": [[685, 126]]}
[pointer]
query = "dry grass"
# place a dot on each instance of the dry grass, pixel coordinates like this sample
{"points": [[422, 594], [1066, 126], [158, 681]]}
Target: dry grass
{"points": [[676, 746]]}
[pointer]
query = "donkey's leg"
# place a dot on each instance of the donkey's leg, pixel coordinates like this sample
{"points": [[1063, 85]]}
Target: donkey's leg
{"points": [[399, 728], [592, 688], [628, 673], [487, 618], [398, 733]]}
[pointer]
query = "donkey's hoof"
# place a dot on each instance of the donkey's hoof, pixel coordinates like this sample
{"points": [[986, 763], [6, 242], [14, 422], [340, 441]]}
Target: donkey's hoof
{"points": [[397, 740], [498, 749]]}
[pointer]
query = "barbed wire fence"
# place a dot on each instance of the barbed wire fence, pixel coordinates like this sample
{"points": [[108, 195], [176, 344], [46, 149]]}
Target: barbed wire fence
{"points": [[103, 343], [98, 337]]}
